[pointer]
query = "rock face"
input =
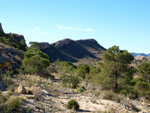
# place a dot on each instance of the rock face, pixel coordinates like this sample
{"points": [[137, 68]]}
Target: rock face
{"points": [[9, 57], [1, 29], [21, 90], [73, 51], [11, 54], [44, 45]]}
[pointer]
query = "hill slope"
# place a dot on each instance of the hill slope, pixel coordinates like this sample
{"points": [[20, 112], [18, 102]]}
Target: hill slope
{"points": [[12, 39], [140, 54], [11, 54], [73, 51]]}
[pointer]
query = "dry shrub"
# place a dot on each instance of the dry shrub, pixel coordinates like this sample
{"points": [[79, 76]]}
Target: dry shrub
{"points": [[112, 96], [37, 93]]}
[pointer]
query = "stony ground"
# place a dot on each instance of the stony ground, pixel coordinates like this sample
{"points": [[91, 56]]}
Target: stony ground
{"points": [[54, 99]]}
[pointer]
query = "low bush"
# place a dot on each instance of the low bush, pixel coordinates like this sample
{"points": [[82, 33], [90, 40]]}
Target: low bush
{"points": [[37, 93], [81, 89], [13, 103], [72, 81], [3, 108], [73, 104], [112, 96]]}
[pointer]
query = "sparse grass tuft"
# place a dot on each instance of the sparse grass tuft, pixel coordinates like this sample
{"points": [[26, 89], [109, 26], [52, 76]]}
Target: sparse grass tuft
{"points": [[37, 93]]}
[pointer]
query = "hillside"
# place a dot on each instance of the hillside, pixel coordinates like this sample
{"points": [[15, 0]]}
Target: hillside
{"points": [[12, 39], [11, 54], [10, 57], [140, 54], [73, 51]]}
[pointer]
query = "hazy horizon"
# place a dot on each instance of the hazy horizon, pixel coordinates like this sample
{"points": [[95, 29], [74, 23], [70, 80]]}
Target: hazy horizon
{"points": [[123, 23]]}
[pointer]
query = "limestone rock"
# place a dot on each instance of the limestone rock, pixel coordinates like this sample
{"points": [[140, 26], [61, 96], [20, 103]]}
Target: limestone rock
{"points": [[29, 90], [21, 90]]}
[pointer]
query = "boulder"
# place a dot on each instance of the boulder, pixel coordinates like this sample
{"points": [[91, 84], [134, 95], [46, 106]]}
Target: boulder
{"points": [[21, 90], [29, 90]]}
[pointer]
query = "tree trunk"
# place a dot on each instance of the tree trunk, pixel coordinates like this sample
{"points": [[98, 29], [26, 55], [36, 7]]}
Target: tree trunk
{"points": [[148, 79], [116, 83]]}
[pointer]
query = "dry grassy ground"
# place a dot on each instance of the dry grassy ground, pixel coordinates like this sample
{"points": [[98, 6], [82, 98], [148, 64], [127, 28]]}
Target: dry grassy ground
{"points": [[54, 97]]}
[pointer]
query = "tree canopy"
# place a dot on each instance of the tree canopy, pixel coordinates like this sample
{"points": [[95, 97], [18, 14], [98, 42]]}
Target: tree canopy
{"points": [[115, 69], [144, 70], [35, 61]]}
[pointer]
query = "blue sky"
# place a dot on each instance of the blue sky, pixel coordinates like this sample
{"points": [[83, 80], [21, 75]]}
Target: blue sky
{"points": [[125, 23]]}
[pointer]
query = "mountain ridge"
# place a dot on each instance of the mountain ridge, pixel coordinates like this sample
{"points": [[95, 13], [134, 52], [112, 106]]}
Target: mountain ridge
{"points": [[140, 54], [73, 50]]}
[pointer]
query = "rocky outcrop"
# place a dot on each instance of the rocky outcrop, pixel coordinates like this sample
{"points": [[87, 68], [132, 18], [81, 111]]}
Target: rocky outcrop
{"points": [[10, 58], [92, 43], [1, 29], [21, 90], [44, 45], [62, 43]]}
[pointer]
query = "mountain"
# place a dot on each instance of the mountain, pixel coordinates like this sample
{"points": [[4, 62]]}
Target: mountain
{"points": [[140, 54], [73, 51], [55, 53], [143, 58]]}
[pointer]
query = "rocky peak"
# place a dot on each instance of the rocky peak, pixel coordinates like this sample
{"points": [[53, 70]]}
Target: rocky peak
{"points": [[62, 42], [44, 45], [87, 40], [1, 29], [91, 43]]}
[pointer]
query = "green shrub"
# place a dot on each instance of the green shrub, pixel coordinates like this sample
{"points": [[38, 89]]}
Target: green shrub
{"points": [[94, 70], [3, 108], [143, 89], [132, 96], [135, 80], [73, 104], [72, 81], [13, 103], [35, 61], [81, 89], [83, 70]]}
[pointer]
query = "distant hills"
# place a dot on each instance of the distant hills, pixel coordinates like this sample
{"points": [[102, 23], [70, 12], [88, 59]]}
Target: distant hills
{"points": [[140, 54], [73, 50]]}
